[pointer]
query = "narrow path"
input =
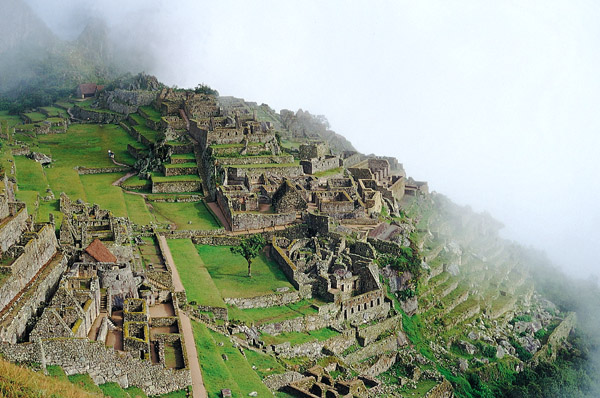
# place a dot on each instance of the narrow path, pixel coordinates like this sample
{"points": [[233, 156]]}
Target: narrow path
{"points": [[188, 335], [120, 180], [217, 211], [119, 164]]}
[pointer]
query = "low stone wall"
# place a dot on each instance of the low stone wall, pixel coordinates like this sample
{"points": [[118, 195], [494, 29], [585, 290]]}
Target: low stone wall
{"points": [[304, 323], [282, 172], [137, 153], [176, 186], [442, 390], [213, 235], [245, 221], [383, 363], [312, 349], [386, 247], [389, 344], [100, 116], [181, 149], [369, 334], [179, 171], [232, 161], [101, 363], [268, 300], [277, 381], [102, 170]]}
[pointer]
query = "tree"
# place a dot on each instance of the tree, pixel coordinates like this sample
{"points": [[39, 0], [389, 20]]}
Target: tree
{"points": [[249, 248]]}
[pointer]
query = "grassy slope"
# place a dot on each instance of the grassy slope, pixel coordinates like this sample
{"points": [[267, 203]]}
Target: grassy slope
{"points": [[196, 280], [230, 273], [180, 213], [18, 382]]}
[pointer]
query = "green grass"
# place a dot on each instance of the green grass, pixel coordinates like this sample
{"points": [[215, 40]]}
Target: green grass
{"points": [[180, 165], [179, 213], [266, 365], [174, 394], [146, 132], [136, 392], [85, 382], [137, 210], [87, 145], [152, 113], [55, 112], [98, 189], [190, 156], [113, 390], [230, 273], [135, 182], [35, 117], [56, 371], [235, 373], [46, 208], [29, 197], [260, 316], [296, 338], [197, 282], [64, 179], [188, 177], [328, 173], [30, 175]]}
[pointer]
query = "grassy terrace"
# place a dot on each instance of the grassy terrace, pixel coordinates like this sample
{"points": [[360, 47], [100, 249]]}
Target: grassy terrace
{"points": [[186, 215], [230, 273], [197, 282], [235, 373], [55, 112], [146, 132], [189, 156], [152, 113], [260, 316], [234, 145], [328, 173], [296, 338], [265, 165], [35, 117], [188, 177], [180, 165]]}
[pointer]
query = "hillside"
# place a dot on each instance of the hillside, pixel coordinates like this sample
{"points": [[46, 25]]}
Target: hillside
{"points": [[123, 207]]}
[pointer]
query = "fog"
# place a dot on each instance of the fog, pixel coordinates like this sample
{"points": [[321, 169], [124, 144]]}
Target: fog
{"points": [[493, 103]]}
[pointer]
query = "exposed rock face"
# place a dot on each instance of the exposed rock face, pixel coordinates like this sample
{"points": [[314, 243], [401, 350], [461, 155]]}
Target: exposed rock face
{"points": [[126, 102], [41, 158]]}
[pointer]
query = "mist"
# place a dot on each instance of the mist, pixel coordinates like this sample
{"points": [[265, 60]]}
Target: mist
{"points": [[493, 103]]}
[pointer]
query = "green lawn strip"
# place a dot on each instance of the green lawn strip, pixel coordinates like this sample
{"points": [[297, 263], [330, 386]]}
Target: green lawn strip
{"points": [[188, 177], [56, 372], [65, 179], [180, 165], [174, 394], [230, 273], [181, 213], [139, 119], [55, 112], [113, 390], [266, 365], [99, 190], [152, 113], [135, 392], [30, 175], [84, 381], [87, 145], [246, 378], [47, 207], [215, 374], [135, 182], [260, 316], [146, 132], [29, 197], [327, 173], [35, 117], [197, 282], [137, 210], [296, 338], [190, 156]]}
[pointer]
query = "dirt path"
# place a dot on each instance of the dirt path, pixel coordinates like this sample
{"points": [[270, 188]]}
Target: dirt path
{"points": [[120, 180], [186, 325], [217, 211]]}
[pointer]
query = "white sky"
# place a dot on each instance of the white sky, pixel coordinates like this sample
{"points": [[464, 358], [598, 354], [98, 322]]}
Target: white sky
{"points": [[493, 102]]}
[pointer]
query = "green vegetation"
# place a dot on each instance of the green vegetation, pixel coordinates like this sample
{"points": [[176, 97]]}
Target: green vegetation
{"points": [[259, 316], [197, 282], [137, 210], [229, 273], [113, 390], [35, 117], [151, 113], [85, 382], [99, 187], [249, 248], [30, 175], [329, 173], [135, 392], [296, 338], [186, 215], [234, 373]]}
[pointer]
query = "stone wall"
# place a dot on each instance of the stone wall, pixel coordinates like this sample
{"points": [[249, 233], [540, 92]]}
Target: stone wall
{"points": [[368, 335], [128, 101], [249, 160], [36, 252], [442, 390], [315, 165], [102, 170], [11, 229], [179, 171], [102, 364], [389, 344], [100, 116], [14, 324], [245, 221], [176, 186], [277, 381], [268, 300]]}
